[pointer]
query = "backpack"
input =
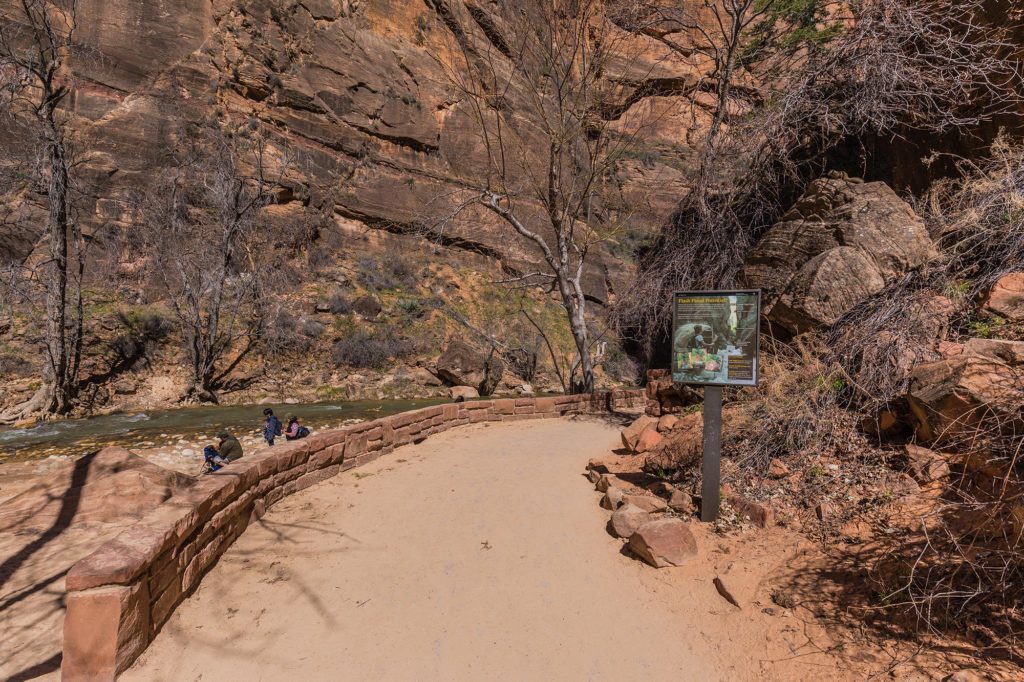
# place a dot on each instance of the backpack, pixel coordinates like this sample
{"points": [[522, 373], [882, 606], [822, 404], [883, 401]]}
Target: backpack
{"points": [[303, 432], [212, 458], [277, 426]]}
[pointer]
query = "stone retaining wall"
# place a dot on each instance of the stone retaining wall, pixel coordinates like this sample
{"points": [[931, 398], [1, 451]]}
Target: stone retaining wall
{"points": [[119, 596]]}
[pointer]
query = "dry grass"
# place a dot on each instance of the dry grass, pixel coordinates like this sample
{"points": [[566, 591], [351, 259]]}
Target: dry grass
{"points": [[795, 412], [979, 219]]}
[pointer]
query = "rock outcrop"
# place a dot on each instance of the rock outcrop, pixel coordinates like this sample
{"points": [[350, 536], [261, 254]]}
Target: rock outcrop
{"points": [[1006, 298], [843, 241], [358, 93], [462, 365], [956, 394]]}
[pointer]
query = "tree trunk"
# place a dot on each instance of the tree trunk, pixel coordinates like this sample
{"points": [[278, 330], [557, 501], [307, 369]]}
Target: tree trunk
{"points": [[575, 307], [60, 362]]}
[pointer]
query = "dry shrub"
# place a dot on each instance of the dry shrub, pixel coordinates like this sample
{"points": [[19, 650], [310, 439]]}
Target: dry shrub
{"points": [[979, 219], [895, 68], [876, 345], [377, 349], [961, 566], [795, 412]]}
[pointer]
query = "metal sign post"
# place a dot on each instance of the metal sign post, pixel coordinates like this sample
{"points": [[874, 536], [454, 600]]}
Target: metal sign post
{"points": [[712, 465], [715, 344]]}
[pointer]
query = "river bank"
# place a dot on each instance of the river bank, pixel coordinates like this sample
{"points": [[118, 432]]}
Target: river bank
{"points": [[171, 433], [59, 500]]}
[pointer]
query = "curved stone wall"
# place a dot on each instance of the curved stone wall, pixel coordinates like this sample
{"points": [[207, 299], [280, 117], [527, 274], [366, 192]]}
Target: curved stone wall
{"points": [[119, 596]]}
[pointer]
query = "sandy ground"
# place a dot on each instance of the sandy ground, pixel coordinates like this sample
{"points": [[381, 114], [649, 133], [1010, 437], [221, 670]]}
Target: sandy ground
{"points": [[44, 529], [479, 554], [32, 570]]}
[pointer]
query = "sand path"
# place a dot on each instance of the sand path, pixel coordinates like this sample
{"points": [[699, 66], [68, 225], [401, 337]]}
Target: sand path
{"points": [[479, 554]]}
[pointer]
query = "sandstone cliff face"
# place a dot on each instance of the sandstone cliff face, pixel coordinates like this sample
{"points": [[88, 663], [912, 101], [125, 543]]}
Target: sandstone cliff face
{"points": [[355, 90]]}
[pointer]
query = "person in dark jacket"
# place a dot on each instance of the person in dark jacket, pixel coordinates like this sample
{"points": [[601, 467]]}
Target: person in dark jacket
{"points": [[229, 447], [271, 426]]}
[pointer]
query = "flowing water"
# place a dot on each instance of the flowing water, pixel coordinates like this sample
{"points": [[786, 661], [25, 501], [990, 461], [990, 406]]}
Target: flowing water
{"points": [[156, 428]]}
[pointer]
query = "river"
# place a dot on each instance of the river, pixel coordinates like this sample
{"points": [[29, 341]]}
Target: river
{"points": [[157, 428]]}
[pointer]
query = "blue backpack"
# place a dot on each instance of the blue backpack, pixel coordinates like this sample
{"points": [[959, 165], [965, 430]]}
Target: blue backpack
{"points": [[212, 458]]}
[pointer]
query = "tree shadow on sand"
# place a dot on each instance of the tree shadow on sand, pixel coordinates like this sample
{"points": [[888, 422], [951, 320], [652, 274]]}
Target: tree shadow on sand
{"points": [[856, 589], [69, 503]]}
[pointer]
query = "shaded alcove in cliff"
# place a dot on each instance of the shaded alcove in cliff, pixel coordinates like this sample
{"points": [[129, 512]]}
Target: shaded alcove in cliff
{"points": [[912, 161]]}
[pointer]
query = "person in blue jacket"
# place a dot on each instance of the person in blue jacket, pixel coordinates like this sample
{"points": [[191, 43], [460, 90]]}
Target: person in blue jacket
{"points": [[271, 426], [212, 461]]}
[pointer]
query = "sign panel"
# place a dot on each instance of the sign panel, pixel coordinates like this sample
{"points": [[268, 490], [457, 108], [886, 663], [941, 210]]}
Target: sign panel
{"points": [[715, 337]]}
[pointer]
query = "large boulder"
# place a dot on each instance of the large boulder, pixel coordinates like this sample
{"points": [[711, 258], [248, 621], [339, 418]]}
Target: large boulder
{"points": [[843, 241], [1006, 298], [462, 365], [959, 392], [664, 542], [462, 393]]}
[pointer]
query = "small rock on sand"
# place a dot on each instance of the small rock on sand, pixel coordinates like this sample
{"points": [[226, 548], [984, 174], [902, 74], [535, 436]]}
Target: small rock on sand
{"points": [[605, 481], [631, 434], [613, 498], [648, 503], [777, 469], [664, 542], [627, 519], [648, 440], [681, 502]]}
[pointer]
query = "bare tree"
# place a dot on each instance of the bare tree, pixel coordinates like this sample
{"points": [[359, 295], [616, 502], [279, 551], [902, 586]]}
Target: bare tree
{"points": [[36, 41], [207, 245], [536, 81]]}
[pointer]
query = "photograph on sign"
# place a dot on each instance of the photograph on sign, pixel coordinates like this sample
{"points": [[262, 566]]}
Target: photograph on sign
{"points": [[715, 336]]}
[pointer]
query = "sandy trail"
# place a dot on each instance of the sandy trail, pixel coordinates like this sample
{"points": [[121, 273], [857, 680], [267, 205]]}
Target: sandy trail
{"points": [[479, 554]]}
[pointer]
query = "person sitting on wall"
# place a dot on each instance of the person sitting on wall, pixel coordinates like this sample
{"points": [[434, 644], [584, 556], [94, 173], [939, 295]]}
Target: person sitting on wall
{"points": [[229, 447], [295, 431], [271, 426], [212, 460]]}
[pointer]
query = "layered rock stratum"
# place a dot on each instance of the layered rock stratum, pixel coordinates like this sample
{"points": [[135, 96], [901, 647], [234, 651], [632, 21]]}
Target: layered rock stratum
{"points": [[357, 93]]}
